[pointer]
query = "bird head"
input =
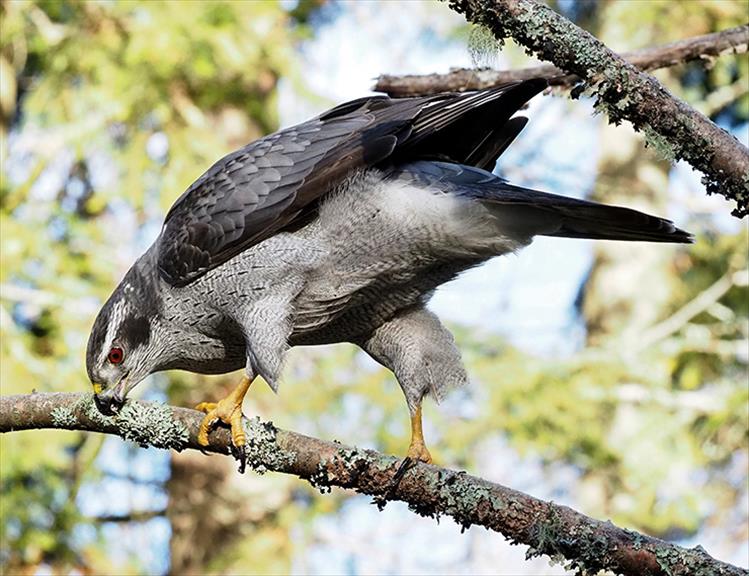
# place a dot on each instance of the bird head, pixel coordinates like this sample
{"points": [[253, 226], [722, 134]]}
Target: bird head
{"points": [[121, 348]]}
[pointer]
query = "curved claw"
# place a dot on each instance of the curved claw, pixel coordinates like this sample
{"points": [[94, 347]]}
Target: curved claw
{"points": [[229, 411], [231, 415], [418, 452], [238, 437]]}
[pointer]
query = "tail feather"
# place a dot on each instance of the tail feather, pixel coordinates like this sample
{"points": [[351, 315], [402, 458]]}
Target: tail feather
{"points": [[551, 215], [601, 222], [523, 213]]}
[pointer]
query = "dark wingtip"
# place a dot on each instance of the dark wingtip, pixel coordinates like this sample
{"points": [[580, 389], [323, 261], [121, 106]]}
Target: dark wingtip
{"points": [[529, 88], [539, 83]]}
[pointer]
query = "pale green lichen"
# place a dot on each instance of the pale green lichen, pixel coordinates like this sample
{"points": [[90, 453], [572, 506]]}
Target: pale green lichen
{"points": [[637, 539], [151, 425], [87, 407], [63, 417], [146, 424], [663, 147], [695, 562], [356, 460], [381, 464], [483, 47], [461, 496], [263, 452], [546, 536]]}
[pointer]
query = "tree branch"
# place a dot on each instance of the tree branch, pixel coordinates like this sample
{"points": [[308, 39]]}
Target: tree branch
{"points": [[707, 48], [551, 529], [681, 317], [672, 127]]}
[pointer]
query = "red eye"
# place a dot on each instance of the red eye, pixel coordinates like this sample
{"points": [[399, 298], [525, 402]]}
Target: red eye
{"points": [[116, 355]]}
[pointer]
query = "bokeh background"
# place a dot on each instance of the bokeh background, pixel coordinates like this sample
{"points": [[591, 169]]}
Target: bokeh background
{"points": [[607, 376]]}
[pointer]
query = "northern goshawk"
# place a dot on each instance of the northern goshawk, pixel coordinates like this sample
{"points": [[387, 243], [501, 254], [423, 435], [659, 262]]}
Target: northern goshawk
{"points": [[337, 230]]}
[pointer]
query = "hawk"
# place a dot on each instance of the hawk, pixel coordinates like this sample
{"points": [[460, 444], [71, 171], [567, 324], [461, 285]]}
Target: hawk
{"points": [[338, 229]]}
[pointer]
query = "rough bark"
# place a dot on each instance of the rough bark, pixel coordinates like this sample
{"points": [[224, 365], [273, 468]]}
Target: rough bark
{"points": [[557, 531], [674, 128], [706, 48]]}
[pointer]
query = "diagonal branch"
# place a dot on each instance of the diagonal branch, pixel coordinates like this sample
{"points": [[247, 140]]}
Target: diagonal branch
{"points": [[548, 528], [706, 48], [674, 128], [681, 317]]}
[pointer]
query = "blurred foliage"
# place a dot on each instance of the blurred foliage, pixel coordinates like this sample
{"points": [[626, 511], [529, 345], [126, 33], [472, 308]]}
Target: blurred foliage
{"points": [[109, 110], [719, 89]]}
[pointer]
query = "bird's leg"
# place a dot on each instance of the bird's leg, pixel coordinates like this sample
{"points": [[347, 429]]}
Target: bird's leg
{"points": [[417, 450], [229, 411]]}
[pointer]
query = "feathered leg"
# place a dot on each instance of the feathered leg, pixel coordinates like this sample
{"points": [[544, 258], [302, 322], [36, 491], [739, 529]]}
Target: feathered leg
{"points": [[423, 356]]}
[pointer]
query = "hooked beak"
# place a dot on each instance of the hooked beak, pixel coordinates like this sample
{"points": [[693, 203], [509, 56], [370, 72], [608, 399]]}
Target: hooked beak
{"points": [[111, 400]]}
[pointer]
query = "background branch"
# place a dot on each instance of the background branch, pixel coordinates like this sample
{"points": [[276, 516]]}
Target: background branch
{"points": [[707, 47], [681, 317], [551, 529], [674, 128]]}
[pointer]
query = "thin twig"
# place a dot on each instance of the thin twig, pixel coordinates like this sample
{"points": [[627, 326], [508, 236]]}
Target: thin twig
{"points": [[548, 528], [683, 315], [135, 516], [706, 48]]}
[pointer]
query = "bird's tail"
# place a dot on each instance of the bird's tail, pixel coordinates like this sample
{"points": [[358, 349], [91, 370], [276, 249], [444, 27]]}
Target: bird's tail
{"points": [[522, 213], [539, 213], [614, 223]]}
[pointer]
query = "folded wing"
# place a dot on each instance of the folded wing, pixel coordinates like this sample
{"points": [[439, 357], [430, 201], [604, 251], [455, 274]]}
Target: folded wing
{"points": [[274, 183]]}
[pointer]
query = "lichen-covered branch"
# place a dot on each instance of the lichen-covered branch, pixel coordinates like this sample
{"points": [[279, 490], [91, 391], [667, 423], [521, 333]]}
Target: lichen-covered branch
{"points": [[706, 48], [674, 128], [557, 531]]}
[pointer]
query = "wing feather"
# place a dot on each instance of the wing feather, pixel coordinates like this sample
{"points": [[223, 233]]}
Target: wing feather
{"points": [[274, 183]]}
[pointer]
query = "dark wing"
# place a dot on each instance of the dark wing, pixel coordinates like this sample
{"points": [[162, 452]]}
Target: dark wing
{"points": [[273, 183]]}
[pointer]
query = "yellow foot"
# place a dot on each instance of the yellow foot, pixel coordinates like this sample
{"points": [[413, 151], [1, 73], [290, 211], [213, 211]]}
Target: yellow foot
{"points": [[222, 411], [228, 411], [417, 451]]}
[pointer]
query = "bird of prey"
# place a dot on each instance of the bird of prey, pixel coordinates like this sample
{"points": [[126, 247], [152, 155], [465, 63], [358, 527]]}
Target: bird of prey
{"points": [[338, 229]]}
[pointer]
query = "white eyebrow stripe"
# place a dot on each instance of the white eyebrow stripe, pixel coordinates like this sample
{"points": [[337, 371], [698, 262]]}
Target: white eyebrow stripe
{"points": [[115, 319]]}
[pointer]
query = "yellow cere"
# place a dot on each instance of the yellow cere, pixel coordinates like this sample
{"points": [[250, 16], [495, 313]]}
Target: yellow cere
{"points": [[97, 388]]}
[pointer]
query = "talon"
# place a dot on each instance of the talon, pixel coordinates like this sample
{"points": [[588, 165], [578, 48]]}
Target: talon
{"points": [[240, 455], [418, 452], [406, 464], [237, 430], [228, 411]]}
